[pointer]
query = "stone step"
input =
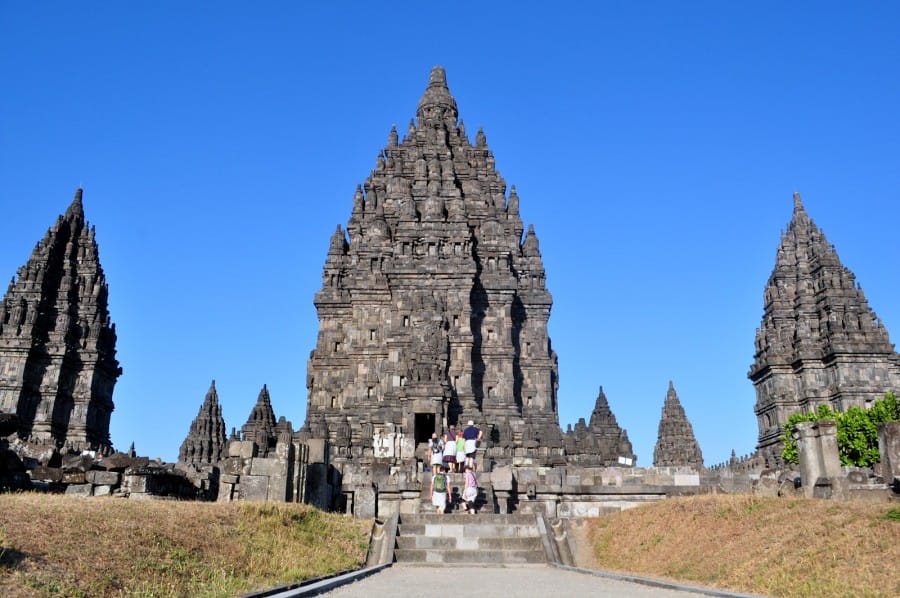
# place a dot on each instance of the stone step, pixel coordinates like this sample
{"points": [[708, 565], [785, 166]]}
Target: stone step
{"points": [[463, 518], [469, 543], [484, 539], [482, 557], [473, 529]]}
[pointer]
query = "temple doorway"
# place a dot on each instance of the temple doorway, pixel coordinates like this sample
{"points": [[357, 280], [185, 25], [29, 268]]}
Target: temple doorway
{"points": [[424, 427]]}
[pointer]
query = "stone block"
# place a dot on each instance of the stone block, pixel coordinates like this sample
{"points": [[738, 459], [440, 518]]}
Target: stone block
{"points": [[318, 448], [226, 492], [254, 487], [47, 474], [232, 466], [103, 490], [248, 449], [889, 446], [686, 479], [364, 503], [501, 478], [80, 490], [261, 466], [135, 483], [101, 477], [229, 479], [407, 448], [234, 448], [74, 477]]}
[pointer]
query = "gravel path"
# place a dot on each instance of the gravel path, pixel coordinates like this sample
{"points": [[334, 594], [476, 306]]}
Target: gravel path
{"points": [[538, 581]]}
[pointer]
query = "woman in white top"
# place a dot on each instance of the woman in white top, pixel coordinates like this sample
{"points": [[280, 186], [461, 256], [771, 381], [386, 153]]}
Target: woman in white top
{"points": [[449, 454]]}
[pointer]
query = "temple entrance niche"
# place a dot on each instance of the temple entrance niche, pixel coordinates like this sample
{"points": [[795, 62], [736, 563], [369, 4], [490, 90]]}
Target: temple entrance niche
{"points": [[423, 427]]}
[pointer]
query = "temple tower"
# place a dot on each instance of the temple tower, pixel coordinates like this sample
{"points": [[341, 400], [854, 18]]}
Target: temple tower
{"points": [[205, 442], [260, 426], [675, 441], [433, 308], [58, 361], [819, 341], [601, 442]]}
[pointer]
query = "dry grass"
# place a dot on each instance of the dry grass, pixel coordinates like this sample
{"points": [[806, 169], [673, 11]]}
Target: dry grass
{"points": [[772, 546], [64, 546]]}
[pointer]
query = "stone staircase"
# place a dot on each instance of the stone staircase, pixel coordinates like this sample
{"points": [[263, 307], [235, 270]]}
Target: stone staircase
{"points": [[483, 539]]}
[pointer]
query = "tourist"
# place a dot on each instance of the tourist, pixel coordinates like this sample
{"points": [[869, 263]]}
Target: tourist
{"points": [[460, 453], [472, 436], [470, 492], [436, 449], [439, 487], [449, 456]]}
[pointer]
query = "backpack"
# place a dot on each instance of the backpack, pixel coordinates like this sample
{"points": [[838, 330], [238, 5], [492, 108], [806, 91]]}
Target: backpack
{"points": [[440, 482], [437, 446]]}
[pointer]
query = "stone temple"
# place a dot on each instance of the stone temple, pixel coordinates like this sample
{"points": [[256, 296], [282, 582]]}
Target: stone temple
{"points": [[58, 362], [433, 308], [819, 342]]}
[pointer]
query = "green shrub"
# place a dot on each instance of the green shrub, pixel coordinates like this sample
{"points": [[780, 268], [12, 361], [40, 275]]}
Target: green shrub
{"points": [[857, 430]]}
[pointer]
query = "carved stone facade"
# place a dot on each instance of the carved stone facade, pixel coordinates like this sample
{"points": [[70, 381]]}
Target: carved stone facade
{"points": [[206, 440], [819, 341], [58, 361], [434, 310], [602, 442], [676, 445]]}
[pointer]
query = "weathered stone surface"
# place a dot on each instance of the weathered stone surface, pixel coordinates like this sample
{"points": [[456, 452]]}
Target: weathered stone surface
{"points": [[600, 443], [103, 490], [819, 342], [57, 344], [205, 442], [889, 447], [260, 426], [254, 487], [99, 477], [80, 490], [675, 442], [435, 310], [121, 461]]}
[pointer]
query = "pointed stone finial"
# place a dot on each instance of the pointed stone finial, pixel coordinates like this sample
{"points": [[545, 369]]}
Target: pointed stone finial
{"points": [[437, 104], [392, 136], [338, 242], [480, 139], [76, 209], [512, 205], [530, 247]]}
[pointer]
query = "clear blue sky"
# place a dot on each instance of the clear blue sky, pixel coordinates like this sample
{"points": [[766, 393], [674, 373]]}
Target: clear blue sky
{"points": [[654, 145]]}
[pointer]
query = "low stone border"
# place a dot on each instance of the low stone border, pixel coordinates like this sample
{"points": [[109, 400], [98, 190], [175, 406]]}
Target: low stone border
{"points": [[317, 586], [657, 583]]}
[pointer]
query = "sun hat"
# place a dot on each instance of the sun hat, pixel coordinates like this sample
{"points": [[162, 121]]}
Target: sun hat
{"points": [[470, 423]]}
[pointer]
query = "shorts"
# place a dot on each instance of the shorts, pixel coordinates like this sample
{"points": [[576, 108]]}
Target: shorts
{"points": [[470, 494], [439, 500], [460, 457], [436, 458]]}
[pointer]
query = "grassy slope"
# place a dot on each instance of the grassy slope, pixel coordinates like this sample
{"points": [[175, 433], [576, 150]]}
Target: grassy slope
{"points": [[57, 545], [773, 546]]}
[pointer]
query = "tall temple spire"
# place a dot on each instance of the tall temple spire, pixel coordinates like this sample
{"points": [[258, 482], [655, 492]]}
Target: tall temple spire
{"points": [[260, 426], [607, 444], [819, 342], [57, 339], [206, 439], [436, 299], [675, 442], [76, 208]]}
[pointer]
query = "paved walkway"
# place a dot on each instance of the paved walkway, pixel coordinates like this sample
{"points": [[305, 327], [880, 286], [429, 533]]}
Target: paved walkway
{"points": [[526, 581]]}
